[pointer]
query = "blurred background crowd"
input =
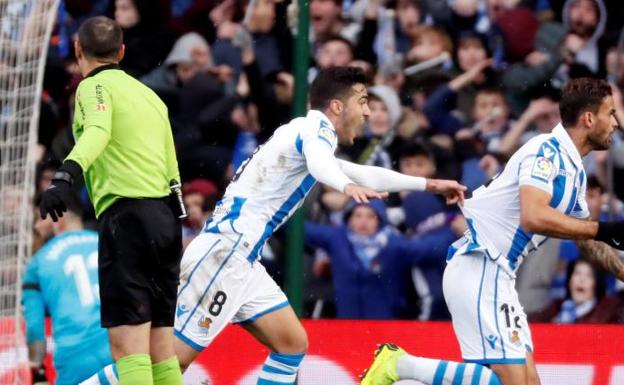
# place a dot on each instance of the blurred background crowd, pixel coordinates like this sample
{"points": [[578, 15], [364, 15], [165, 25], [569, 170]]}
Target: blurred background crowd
{"points": [[456, 86]]}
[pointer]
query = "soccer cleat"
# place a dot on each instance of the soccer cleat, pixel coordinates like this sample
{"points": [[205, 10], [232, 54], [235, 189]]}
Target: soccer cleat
{"points": [[383, 369]]}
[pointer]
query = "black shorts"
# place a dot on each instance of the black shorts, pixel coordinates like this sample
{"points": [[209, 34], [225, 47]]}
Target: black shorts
{"points": [[140, 249]]}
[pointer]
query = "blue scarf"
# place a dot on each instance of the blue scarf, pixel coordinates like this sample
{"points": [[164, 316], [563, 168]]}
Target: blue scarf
{"points": [[570, 311], [367, 247]]}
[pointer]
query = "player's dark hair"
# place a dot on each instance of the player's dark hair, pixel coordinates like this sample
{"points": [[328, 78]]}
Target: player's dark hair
{"points": [[334, 83], [100, 38], [581, 95]]}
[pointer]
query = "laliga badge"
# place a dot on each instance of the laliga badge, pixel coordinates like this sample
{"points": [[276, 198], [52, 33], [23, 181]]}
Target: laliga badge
{"points": [[326, 132], [543, 168]]}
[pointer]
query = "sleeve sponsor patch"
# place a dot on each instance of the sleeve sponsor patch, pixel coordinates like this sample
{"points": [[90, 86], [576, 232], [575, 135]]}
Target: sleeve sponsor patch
{"points": [[327, 133], [543, 168], [100, 105]]}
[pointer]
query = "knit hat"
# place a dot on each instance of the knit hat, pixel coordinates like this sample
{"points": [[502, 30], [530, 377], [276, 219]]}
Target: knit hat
{"points": [[181, 51], [377, 205], [201, 186], [390, 98]]}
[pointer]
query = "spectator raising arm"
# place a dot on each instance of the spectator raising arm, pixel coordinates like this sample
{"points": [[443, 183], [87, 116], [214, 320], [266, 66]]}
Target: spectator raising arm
{"points": [[440, 103], [511, 141]]}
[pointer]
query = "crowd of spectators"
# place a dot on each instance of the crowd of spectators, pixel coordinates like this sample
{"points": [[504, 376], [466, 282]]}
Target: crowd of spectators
{"points": [[456, 86]]}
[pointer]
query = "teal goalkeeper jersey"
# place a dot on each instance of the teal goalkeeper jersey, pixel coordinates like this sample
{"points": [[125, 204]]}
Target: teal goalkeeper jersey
{"points": [[61, 279], [124, 142]]}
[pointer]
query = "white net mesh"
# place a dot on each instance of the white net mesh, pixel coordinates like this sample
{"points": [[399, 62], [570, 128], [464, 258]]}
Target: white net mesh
{"points": [[25, 27]]}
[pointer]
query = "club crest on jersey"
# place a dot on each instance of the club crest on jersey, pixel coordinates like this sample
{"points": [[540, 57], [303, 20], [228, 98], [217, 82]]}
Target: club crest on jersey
{"points": [[543, 168], [204, 323], [514, 338]]}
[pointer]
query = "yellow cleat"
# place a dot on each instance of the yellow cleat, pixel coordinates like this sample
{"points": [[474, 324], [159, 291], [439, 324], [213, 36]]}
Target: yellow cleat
{"points": [[383, 369]]}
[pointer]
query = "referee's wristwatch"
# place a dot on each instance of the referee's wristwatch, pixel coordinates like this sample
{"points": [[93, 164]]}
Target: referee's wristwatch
{"points": [[62, 175], [67, 172]]}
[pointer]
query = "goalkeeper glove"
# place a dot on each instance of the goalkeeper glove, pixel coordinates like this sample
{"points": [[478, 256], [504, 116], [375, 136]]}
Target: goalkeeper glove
{"points": [[611, 233], [52, 202]]}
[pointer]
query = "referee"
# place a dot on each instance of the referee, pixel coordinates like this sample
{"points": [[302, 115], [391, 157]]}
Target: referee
{"points": [[124, 147]]}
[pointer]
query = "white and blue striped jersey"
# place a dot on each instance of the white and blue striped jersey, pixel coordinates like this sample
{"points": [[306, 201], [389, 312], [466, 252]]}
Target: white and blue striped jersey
{"points": [[550, 162], [268, 187]]}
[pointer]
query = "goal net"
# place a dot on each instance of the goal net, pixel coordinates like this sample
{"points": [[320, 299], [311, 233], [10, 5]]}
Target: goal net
{"points": [[25, 27]]}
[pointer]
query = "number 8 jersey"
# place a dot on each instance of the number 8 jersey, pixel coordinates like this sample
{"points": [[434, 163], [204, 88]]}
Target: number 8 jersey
{"points": [[271, 184]]}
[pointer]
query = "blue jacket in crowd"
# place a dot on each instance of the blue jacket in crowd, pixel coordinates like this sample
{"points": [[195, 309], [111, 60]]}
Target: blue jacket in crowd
{"points": [[380, 290]]}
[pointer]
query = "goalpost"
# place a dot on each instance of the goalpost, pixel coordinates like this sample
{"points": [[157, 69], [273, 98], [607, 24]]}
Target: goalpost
{"points": [[25, 28]]}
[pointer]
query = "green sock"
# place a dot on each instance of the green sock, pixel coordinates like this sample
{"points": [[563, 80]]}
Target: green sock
{"points": [[135, 369], [167, 372]]}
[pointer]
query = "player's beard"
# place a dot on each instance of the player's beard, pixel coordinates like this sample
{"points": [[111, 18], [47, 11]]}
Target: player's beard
{"points": [[352, 128], [599, 144]]}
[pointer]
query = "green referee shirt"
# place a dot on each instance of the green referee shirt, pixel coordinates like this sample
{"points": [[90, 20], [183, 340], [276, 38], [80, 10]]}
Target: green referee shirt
{"points": [[124, 142]]}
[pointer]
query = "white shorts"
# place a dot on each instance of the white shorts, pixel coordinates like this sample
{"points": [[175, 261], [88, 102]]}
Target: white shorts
{"points": [[218, 285], [489, 321]]}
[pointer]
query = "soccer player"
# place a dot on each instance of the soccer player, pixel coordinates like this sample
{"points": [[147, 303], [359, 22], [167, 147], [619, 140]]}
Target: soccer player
{"points": [[539, 194], [61, 280], [222, 280], [125, 148]]}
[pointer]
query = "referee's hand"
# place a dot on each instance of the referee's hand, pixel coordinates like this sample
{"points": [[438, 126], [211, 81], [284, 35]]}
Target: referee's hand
{"points": [[52, 199]]}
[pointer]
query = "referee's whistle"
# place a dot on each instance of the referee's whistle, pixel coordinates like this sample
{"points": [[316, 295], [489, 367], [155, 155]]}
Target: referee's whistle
{"points": [[176, 188]]}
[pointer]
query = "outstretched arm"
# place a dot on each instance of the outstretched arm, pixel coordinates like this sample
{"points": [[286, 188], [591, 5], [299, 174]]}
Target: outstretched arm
{"points": [[603, 255], [382, 179], [430, 249], [324, 167]]}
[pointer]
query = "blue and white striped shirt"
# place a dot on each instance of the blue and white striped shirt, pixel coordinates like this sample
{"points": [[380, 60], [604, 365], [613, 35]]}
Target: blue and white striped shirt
{"points": [[269, 187], [549, 162]]}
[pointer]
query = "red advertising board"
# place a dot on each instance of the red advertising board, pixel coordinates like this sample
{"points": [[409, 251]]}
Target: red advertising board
{"points": [[340, 350]]}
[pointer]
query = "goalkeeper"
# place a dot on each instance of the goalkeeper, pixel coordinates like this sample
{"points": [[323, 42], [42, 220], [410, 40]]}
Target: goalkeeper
{"points": [[124, 147], [61, 280]]}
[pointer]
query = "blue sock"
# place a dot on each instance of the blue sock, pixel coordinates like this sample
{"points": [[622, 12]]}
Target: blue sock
{"points": [[280, 369], [439, 372]]}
